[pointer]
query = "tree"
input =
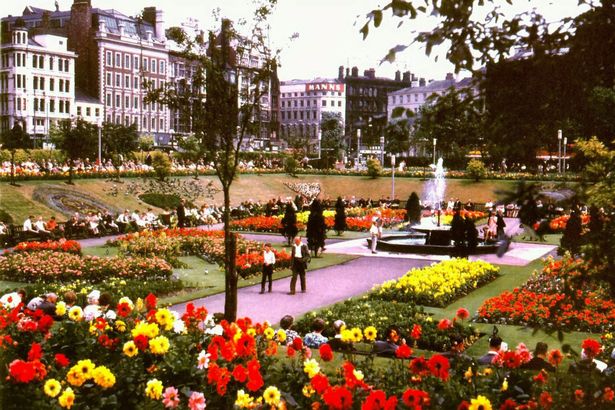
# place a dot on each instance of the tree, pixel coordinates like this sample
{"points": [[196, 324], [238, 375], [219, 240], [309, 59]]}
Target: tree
{"points": [[340, 216], [118, 143], [290, 166], [332, 137], [146, 143], [289, 223], [161, 164], [316, 228], [476, 170], [397, 136], [78, 140], [13, 140], [413, 209], [374, 169], [224, 116], [191, 150], [571, 239]]}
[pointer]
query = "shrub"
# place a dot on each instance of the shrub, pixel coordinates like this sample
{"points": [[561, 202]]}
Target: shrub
{"points": [[161, 164], [5, 217], [290, 166], [413, 208], [374, 169], [476, 170], [163, 201]]}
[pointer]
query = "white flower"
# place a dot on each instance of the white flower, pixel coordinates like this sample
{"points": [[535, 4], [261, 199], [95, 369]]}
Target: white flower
{"points": [[217, 330], [179, 326], [10, 300], [203, 360]]}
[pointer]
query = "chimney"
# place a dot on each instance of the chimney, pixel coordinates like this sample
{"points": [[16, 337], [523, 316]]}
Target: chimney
{"points": [[415, 82], [421, 82], [407, 77], [160, 34], [365, 73], [355, 71], [149, 35], [397, 75], [449, 77], [122, 28], [371, 73], [340, 73]]}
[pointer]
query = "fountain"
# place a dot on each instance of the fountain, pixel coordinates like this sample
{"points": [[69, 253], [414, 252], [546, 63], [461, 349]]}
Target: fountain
{"points": [[429, 237]]}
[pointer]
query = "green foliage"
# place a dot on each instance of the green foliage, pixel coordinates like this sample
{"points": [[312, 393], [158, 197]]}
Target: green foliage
{"points": [[413, 208], [162, 201], [13, 140], [118, 143], [190, 149], [476, 170], [161, 164], [146, 143], [332, 137], [76, 141], [340, 216], [290, 166], [5, 217], [374, 169], [397, 136]]}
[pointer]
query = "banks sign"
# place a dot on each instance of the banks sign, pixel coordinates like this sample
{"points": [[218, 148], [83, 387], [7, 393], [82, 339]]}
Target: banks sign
{"points": [[337, 87]]}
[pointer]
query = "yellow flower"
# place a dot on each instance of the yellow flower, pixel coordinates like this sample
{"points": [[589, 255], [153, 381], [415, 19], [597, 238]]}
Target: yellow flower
{"points": [[52, 387], [269, 333], [251, 331], [139, 304], [243, 400], [281, 335], [103, 377], [149, 330], [120, 326], [308, 390], [480, 403], [75, 313], [504, 385], [67, 398], [311, 367], [370, 333], [357, 335], [488, 371], [469, 374], [159, 345], [154, 389], [60, 309], [272, 396], [75, 378], [84, 368], [358, 374], [130, 349], [346, 335], [165, 318]]}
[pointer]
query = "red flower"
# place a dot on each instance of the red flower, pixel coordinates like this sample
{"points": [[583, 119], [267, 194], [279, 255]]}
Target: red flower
{"points": [[61, 360], [246, 345], [377, 400], [240, 373], [464, 405], [338, 398], [45, 323], [609, 394], [141, 342], [416, 332], [22, 372], [555, 357], [297, 343], [419, 366], [403, 351], [592, 348], [151, 301], [290, 351], [415, 399], [320, 383], [123, 309], [35, 353], [463, 313], [439, 366], [545, 400], [39, 370], [510, 360], [579, 394], [445, 324], [541, 377], [326, 353]]}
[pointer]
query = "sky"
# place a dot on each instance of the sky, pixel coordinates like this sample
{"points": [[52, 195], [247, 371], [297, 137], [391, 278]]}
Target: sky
{"points": [[328, 31]]}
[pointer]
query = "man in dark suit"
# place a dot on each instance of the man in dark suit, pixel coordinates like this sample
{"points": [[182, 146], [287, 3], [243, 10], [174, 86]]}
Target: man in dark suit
{"points": [[299, 258], [539, 362], [181, 214]]}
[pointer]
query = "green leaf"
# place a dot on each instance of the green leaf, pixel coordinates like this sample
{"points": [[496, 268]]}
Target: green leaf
{"points": [[377, 15], [398, 112], [365, 30]]}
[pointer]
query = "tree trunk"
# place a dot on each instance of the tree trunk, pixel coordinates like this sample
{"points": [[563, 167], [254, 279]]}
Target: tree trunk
{"points": [[230, 273], [13, 167], [70, 171]]}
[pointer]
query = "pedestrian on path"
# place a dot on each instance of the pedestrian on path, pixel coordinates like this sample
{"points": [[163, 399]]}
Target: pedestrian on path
{"points": [[299, 259], [268, 263], [376, 230]]}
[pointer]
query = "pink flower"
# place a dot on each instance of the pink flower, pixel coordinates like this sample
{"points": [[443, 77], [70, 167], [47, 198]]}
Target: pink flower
{"points": [[196, 401], [170, 398]]}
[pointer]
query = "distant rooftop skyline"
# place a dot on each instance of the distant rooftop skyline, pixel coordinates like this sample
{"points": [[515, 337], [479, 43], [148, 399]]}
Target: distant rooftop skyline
{"points": [[328, 31]]}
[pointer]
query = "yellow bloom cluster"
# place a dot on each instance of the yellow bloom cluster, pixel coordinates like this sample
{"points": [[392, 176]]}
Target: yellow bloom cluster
{"points": [[75, 313], [130, 349], [439, 283], [60, 308], [311, 367], [353, 335], [85, 370], [269, 333], [67, 398], [281, 335], [52, 387], [159, 345], [149, 330], [153, 390], [370, 333], [103, 377], [271, 396], [245, 401], [165, 318]]}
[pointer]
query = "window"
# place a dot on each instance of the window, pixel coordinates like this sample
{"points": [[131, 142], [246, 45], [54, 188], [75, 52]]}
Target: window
{"points": [[283, 112], [127, 61], [66, 66], [67, 86], [127, 81], [118, 60], [36, 105], [136, 102], [126, 102], [109, 82], [88, 111], [97, 111], [18, 81], [67, 106], [339, 103], [282, 104], [324, 103], [79, 111], [50, 63], [161, 70], [61, 105], [126, 120], [108, 100], [118, 80], [109, 63], [161, 124], [136, 63], [42, 83], [51, 84], [117, 119], [34, 61], [117, 100], [153, 65], [145, 64], [61, 85], [35, 84]]}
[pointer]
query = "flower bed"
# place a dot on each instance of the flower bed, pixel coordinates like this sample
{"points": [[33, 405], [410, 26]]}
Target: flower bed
{"points": [[151, 357], [558, 225], [170, 244], [48, 266], [557, 298], [417, 327], [438, 284], [63, 245]]}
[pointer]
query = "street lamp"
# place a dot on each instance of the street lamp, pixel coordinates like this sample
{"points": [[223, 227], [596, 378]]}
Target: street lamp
{"points": [[392, 177], [358, 147], [382, 150], [99, 142], [565, 143], [434, 150], [559, 151]]}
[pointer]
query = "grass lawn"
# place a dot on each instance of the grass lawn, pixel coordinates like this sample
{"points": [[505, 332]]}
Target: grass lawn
{"points": [[17, 201], [550, 239]]}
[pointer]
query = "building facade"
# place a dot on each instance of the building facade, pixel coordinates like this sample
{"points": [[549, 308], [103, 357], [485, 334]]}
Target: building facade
{"points": [[37, 81]]}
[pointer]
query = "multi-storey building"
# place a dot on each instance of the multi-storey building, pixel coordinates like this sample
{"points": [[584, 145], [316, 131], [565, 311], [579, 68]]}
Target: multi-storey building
{"points": [[37, 80], [302, 103]]}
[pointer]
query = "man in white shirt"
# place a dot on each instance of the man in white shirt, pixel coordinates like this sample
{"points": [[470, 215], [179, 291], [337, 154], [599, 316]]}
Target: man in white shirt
{"points": [[376, 230], [39, 225], [28, 226], [268, 263]]}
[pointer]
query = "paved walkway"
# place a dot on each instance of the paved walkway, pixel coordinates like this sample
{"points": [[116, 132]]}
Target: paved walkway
{"points": [[324, 287]]}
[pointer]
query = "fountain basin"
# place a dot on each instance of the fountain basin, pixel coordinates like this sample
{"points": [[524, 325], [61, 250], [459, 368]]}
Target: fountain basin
{"points": [[416, 243]]}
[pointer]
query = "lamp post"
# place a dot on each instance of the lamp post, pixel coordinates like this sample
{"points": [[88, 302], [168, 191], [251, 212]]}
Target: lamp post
{"points": [[559, 151], [382, 150], [358, 147], [99, 142], [434, 150], [564, 159], [392, 177]]}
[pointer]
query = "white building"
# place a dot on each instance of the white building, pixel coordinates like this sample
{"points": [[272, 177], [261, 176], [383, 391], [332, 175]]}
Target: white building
{"points": [[37, 81], [302, 103], [89, 108]]}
